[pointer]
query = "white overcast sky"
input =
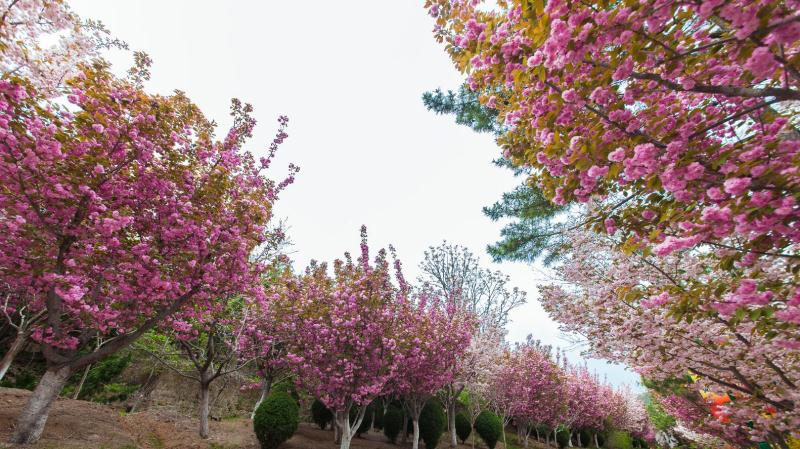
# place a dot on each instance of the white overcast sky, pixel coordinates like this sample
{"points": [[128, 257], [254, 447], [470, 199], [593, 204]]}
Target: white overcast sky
{"points": [[350, 75]]}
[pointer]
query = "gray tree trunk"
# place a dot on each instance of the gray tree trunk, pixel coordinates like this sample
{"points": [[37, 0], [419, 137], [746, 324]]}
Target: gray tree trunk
{"points": [[204, 409], [415, 437], [16, 346], [265, 387], [596, 444], [83, 380], [451, 423], [33, 417]]}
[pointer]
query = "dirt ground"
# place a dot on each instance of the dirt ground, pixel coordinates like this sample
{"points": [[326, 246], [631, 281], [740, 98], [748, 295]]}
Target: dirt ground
{"points": [[87, 425]]}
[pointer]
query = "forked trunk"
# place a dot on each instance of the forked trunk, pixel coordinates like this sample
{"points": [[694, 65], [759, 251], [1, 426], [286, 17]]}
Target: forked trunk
{"points": [[16, 346], [204, 394], [33, 417], [346, 428]]}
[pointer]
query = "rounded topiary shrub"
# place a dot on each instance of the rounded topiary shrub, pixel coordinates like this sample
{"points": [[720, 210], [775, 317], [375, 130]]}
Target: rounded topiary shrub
{"points": [[562, 438], [489, 428], [618, 440], [392, 423], [287, 386], [463, 427], [586, 437], [377, 420], [275, 420], [321, 415], [432, 423]]}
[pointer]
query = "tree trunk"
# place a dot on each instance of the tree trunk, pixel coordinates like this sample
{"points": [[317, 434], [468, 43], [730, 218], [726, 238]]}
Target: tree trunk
{"points": [[580, 443], [31, 420], [538, 438], [345, 439], [80, 384], [204, 393], [451, 423], [347, 429], [505, 444], [336, 432], [415, 437], [404, 431], [144, 391], [265, 387], [596, 444], [16, 346], [569, 444]]}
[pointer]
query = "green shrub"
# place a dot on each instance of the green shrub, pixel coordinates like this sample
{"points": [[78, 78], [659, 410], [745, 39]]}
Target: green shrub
{"points": [[586, 437], [489, 428], [392, 423], [321, 415], [618, 440], [377, 421], [432, 423], [562, 438], [463, 427], [287, 386], [276, 419]]}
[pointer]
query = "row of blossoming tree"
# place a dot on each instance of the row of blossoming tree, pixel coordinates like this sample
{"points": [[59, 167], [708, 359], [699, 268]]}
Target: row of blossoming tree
{"points": [[666, 134], [126, 219]]}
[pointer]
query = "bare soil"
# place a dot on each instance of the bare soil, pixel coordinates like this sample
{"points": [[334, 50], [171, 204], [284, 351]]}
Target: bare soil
{"points": [[87, 425]]}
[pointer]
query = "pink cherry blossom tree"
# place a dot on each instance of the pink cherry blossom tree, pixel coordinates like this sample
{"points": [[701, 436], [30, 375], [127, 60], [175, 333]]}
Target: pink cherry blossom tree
{"points": [[120, 213], [435, 337], [528, 387], [472, 373], [344, 333]]}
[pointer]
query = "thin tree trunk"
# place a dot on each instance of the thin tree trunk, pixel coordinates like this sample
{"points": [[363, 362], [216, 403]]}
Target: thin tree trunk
{"points": [[451, 423], [596, 444], [80, 384], [569, 444], [505, 445], [580, 443], [336, 431], [16, 347], [33, 417], [204, 393], [265, 387], [404, 440], [538, 438], [145, 390]]}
